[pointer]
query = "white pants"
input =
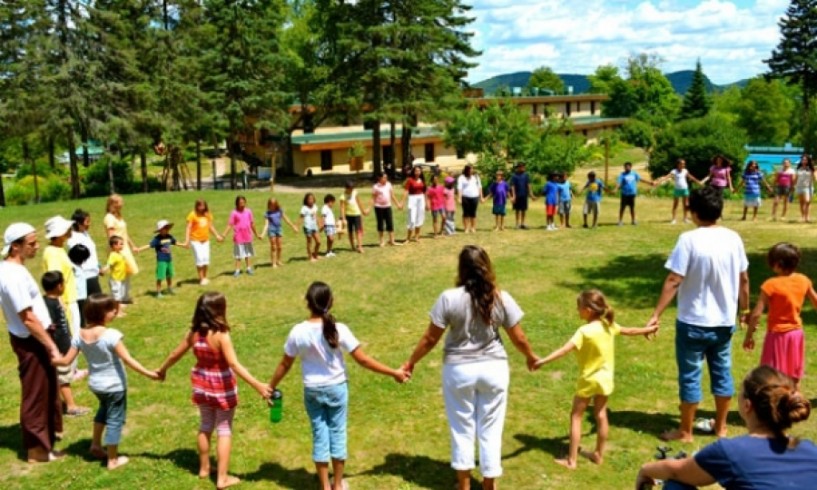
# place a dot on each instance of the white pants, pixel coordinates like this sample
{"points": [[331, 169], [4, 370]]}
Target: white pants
{"points": [[475, 401], [201, 252], [120, 290], [416, 210], [74, 321]]}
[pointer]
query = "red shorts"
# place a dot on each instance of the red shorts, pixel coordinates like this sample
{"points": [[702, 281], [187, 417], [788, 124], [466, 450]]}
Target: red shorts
{"points": [[550, 209]]}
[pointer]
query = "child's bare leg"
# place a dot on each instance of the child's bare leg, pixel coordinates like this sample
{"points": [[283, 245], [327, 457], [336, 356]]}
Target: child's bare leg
{"points": [[114, 459], [248, 262], [96, 449], [496, 222], [317, 249], [360, 241], [68, 396], [576, 414], [595, 218], [330, 244], [501, 222], [158, 287], [272, 251], [754, 214], [224, 444], [745, 209], [337, 473], [674, 208], [391, 238], [488, 483], [602, 429], [463, 480], [380, 234], [203, 442], [309, 248], [278, 250], [238, 264], [322, 469]]}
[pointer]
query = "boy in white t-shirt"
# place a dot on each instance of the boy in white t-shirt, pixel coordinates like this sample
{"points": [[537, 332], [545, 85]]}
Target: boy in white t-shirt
{"points": [[708, 270], [329, 224]]}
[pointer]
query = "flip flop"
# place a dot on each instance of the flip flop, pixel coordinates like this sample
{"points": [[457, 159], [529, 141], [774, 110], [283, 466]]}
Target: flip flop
{"points": [[706, 426], [662, 452]]}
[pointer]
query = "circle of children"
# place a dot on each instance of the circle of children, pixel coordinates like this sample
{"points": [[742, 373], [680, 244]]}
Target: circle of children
{"points": [[77, 313]]}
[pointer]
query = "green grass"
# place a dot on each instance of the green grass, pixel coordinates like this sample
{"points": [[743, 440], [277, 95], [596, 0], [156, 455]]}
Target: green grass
{"points": [[397, 434]]}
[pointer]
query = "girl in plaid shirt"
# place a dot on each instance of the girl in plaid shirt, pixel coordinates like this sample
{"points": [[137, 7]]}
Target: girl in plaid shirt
{"points": [[214, 385]]}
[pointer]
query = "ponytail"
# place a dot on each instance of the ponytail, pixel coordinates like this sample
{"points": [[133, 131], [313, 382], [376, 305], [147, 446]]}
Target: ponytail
{"points": [[330, 330], [594, 300], [608, 317]]}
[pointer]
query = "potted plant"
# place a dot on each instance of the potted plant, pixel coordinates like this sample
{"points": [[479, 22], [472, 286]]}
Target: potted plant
{"points": [[356, 153]]}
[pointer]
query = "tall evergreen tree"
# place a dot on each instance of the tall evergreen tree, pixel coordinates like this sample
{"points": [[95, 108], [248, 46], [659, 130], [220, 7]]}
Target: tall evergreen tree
{"points": [[696, 100], [795, 58]]}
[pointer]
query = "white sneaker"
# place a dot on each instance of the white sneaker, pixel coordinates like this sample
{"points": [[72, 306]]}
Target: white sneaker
{"points": [[204, 281], [672, 222], [330, 254]]}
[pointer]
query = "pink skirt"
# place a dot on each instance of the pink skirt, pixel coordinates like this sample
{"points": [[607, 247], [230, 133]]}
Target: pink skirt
{"points": [[785, 352]]}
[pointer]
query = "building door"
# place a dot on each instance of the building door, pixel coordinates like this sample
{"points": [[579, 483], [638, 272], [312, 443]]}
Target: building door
{"points": [[326, 159], [429, 152]]}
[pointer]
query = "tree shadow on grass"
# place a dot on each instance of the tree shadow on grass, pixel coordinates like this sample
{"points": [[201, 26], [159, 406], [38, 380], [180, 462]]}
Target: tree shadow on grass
{"points": [[184, 458], [294, 479], [657, 423], [420, 471], [555, 446], [11, 438]]}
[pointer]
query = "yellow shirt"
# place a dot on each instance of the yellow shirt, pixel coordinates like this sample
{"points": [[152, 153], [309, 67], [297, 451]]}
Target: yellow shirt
{"points": [[120, 229], [200, 229], [56, 259], [118, 266], [352, 209], [595, 350]]}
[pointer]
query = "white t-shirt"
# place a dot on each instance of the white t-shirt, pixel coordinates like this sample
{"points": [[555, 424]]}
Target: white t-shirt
{"points": [[710, 259], [309, 216], [321, 364], [469, 338], [18, 292], [328, 215], [680, 177], [105, 371], [468, 187], [90, 266], [804, 178]]}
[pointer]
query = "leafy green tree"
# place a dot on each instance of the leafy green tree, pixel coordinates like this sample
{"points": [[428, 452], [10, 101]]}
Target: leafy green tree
{"points": [[601, 81], [500, 128], [764, 112], [697, 141], [556, 148], [242, 61], [696, 100], [727, 103], [638, 133], [544, 78], [795, 58], [646, 94]]}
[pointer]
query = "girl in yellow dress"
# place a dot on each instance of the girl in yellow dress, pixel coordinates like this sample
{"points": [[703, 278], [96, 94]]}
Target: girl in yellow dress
{"points": [[595, 350], [115, 226]]}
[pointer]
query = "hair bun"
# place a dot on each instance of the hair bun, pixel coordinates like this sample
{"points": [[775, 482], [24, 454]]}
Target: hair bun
{"points": [[796, 406]]}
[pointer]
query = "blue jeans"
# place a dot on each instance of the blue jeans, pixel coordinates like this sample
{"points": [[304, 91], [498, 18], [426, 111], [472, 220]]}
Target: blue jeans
{"points": [[112, 409], [327, 407], [693, 345]]}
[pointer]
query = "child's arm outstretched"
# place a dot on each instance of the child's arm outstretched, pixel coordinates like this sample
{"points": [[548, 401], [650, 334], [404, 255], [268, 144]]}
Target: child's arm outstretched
{"points": [[394, 199], [132, 363], [288, 221], [265, 228], [366, 211], [557, 354], [177, 354], [215, 232], [754, 318], [66, 359], [364, 360], [645, 331], [225, 344], [254, 230]]}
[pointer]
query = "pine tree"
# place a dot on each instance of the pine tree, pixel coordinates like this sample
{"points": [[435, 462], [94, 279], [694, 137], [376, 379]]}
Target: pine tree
{"points": [[795, 58], [696, 101]]}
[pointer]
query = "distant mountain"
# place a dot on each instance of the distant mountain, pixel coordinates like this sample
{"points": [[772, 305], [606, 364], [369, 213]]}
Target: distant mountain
{"points": [[680, 80]]}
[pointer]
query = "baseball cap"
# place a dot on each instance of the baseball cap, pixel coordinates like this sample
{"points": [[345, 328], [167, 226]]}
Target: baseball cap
{"points": [[57, 226], [14, 232], [161, 224]]}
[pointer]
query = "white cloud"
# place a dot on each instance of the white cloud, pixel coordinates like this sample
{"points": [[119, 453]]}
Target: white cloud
{"points": [[731, 38]]}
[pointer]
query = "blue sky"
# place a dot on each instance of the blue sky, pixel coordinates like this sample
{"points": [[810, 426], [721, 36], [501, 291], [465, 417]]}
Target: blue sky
{"points": [[731, 38]]}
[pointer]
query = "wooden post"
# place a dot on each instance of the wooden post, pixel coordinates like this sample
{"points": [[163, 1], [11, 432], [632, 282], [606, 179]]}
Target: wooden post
{"points": [[606, 158]]}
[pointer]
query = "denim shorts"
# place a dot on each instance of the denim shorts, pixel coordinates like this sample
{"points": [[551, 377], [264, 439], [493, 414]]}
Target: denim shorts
{"points": [[327, 407], [111, 412], [275, 231], [693, 346]]}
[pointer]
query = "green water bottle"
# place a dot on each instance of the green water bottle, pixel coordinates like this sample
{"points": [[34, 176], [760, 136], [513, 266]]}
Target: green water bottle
{"points": [[276, 406]]}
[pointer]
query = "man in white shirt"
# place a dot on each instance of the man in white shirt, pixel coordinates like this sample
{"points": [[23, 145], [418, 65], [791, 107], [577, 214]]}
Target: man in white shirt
{"points": [[27, 317], [708, 270]]}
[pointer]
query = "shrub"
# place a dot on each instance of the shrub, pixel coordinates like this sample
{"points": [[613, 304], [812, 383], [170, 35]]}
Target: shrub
{"points": [[638, 133], [97, 182], [18, 195]]}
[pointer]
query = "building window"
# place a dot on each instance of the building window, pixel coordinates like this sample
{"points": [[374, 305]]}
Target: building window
{"points": [[388, 154], [326, 159], [533, 108], [429, 152], [592, 107], [567, 109], [578, 106]]}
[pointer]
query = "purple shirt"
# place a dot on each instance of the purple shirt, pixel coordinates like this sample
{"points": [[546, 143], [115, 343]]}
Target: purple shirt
{"points": [[500, 192], [241, 221]]}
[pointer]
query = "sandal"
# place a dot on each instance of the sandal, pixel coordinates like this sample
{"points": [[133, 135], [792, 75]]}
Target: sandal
{"points": [[662, 452], [707, 426]]}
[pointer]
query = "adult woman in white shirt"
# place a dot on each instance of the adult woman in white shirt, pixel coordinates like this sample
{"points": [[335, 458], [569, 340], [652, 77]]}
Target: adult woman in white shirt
{"points": [[475, 364], [469, 188]]}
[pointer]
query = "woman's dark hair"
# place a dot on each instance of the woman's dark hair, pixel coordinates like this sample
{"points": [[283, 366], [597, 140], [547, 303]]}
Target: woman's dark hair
{"points": [[239, 198], [96, 307], [476, 275], [319, 301], [350, 184], [79, 218], [78, 254], [774, 399], [306, 198], [722, 159], [707, 203], [805, 160], [784, 255], [467, 170], [211, 313]]}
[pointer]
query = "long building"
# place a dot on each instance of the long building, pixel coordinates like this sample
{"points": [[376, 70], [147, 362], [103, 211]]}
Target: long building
{"points": [[327, 148]]}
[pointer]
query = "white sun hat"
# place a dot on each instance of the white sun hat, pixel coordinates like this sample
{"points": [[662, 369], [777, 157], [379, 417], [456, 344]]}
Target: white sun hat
{"points": [[57, 227]]}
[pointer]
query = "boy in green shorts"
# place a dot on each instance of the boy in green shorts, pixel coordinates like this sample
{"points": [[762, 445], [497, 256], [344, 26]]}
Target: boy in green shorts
{"points": [[164, 260]]}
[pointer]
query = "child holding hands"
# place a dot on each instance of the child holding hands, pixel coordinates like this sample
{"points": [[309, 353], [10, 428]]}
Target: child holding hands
{"points": [[784, 346], [215, 390], [105, 352], [321, 342], [594, 345]]}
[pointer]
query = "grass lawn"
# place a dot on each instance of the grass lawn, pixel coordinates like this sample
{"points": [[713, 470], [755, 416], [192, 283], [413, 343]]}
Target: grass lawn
{"points": [[398, 435]]}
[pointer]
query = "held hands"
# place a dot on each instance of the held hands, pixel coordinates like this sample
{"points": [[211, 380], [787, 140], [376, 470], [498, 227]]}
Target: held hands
{"points": [[655, 323], [401, 375], [294, 228], [749, 342], [534, 363], [219, 238], [161, 374], [154, 375], [264, 390]]}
